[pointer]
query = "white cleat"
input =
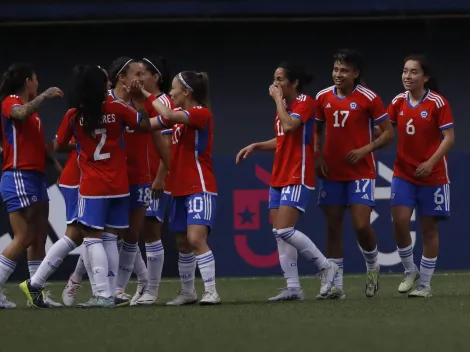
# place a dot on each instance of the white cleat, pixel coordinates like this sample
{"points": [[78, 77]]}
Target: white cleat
{"points": [[46, 297], [336, 293], [289, 294], [327, 276], [70, 293], [141, 289], [409, 278], [421, 291], [209, 299], [183, 298], [5, 303], [147, 299], [123, 295]]}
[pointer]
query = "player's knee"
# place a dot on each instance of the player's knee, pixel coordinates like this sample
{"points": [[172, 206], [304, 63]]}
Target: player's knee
{"points": [[429, 228]]}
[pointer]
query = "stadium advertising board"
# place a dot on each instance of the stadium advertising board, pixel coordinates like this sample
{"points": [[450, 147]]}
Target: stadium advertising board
{"points": [[242, 240], [100, 9]]}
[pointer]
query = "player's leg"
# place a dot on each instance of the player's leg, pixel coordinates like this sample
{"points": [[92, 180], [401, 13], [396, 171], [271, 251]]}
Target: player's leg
{"points": [[93, 216], [361, 201], [403, 201], [434, 205], [186, 259], [201, 208], [332, 198], [154, 248]]}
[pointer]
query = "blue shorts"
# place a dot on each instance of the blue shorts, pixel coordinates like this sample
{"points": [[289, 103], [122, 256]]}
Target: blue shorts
{"points": [[295, 196], [157, 207], [139, 196], [347, 192], [20, 189], [429, 200], [71, 203], [195, 209], [99, 213]]}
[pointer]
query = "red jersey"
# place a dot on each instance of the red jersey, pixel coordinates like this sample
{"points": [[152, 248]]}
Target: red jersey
{"points": [[102, 157], [294, 161], [70, 177], [136, 144], [349, 122], [419, 136], [24, 146], [191, 153], [154, 158]]}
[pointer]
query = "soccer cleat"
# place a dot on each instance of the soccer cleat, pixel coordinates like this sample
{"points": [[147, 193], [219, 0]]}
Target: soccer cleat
{"points": [[409, 278], [5, 303], [34, 295], [141, 287], [46, 296], [122, 299], [98, 302], [183, 298], [147, 299], [336, 293], [372, 284], [421, 291], [288, 294], [327, 276], [70, 293], [209, 299]]}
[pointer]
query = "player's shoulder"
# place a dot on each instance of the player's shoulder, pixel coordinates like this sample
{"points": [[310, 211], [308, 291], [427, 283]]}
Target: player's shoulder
{"points": [[166, 100], [399, 98], [12, 99], [304, 98], [436, 99], [324, 93], [367, 93], [70, 113], [200, 110]]}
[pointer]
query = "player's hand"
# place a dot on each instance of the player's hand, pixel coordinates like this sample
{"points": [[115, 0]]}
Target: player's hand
{"points": [[135, 89], [355, 155], [321, 169], [157, 188], [244, 153], [424, 170], [53, 92], [144, 92], [275, 91]]}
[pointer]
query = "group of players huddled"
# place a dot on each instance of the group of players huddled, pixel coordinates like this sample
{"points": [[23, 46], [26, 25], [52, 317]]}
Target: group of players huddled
{"points": [[124, 119]]}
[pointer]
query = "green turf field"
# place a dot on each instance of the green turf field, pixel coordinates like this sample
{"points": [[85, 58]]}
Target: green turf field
{"points": [[246, 322]]}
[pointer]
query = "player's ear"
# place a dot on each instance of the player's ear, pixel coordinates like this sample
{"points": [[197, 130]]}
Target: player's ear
{"points": [[296, 83], [426, 79], [356, 74]]}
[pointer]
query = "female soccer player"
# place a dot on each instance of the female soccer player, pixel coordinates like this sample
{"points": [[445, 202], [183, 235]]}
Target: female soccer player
{"points": [[347, 112], [293, 177], [425, 130], [193, 185], [97, 124], [157, 81], [23, 186]]}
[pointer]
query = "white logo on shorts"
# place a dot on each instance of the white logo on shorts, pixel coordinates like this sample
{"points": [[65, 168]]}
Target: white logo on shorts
{"points": [[34, 199]]}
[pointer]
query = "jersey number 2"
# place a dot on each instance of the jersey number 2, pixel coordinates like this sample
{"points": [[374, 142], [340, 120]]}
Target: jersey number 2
{"points": [[97, 154], [340, 118]]}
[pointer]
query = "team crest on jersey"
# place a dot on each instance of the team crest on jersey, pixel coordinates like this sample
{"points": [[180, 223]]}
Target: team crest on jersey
{"points": [[424, 114], [353, 106]]}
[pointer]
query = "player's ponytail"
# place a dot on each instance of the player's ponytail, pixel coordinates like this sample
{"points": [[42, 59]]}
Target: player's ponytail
{"points": [[88, 95], [14, 79], [427, 69], [198, 84], [295, 73]]}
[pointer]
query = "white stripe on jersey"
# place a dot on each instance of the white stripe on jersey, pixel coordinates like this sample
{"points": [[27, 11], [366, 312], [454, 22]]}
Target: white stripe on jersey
{"points": [[367, 92], [401, 95], [323, 91], [164, 100], [436, 99]]}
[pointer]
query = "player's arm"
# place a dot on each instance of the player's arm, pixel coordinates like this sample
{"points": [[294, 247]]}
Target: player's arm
{"points": [[168, 117], [22, 112], [57, 166], [289, 122], [65, 133], [161, 148], [269, 145], [382, 121], [446, 126]]}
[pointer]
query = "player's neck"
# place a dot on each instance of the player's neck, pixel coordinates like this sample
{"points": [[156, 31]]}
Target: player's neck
{"points": [[189, 104], [120, 93], [416, 96], [24, 97], [344, 92]]}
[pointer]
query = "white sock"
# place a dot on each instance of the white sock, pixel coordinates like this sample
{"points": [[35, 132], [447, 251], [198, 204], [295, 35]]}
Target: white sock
{"points": [[371, 258], [426, 270], [155, 259], [406, 256], [7, 266], [338, 281], [33, 266], [80, 270], [87, 264], [187, 271], [120, 242], [51, 262], [126, 265], [288, 261], [305, 246], [99, 265], [111, 249], [140, 269], [206, 264]]}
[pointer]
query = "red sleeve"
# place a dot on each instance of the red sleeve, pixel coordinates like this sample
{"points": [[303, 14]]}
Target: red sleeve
{"points": [[128, 115], [377, 110], [65, 132], [392, 114], [304, 110], [445, 119], [198, 117], [319, 114], [9, 103]]}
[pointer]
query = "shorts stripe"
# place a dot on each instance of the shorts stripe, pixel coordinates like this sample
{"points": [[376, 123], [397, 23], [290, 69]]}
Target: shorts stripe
{"points": [[20, 189], [207, 206]]}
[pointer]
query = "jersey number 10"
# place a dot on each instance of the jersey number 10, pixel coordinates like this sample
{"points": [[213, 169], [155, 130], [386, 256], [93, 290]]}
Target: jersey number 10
{"points": [[340, 118], [97, 155]]}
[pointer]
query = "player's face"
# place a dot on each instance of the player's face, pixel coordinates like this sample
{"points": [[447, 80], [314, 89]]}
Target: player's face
{"points": [[413, 77], [149, 80], [134, 72], [280, 79], [344, 75], [32, 85], [179, 94]]}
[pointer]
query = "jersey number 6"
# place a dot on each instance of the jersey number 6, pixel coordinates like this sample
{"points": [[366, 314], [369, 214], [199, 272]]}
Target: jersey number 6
{"points": [[97, 154], [340, 115]]}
